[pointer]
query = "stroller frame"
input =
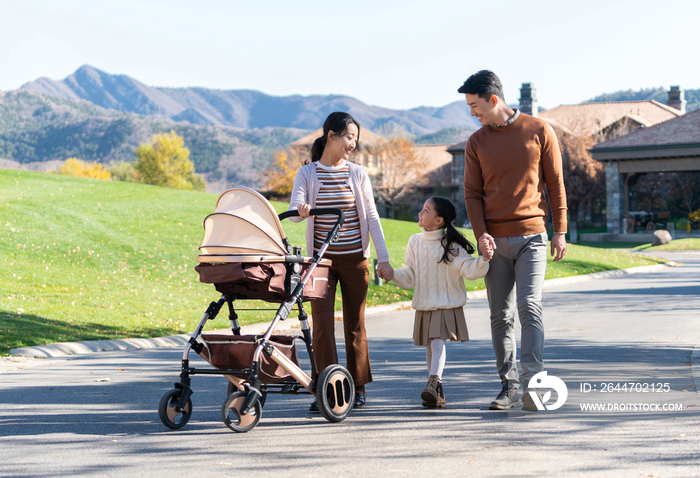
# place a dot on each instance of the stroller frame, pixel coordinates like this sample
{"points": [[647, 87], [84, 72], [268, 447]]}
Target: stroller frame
{"points": [[242, 409]]}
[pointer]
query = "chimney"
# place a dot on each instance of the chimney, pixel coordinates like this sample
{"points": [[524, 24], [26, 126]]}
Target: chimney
{"points": [[528, 102], [676, 99]]}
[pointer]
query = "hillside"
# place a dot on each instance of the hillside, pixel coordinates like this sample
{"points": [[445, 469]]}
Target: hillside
{"points": [[244, 109], [86, 259], [37, 128], [658, 94]]}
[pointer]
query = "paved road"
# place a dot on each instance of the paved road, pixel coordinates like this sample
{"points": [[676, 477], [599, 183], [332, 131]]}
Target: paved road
{"points": [[60, 418]]}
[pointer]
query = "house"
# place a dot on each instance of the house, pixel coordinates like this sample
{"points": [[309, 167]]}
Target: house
{"points": [[673, 145]]}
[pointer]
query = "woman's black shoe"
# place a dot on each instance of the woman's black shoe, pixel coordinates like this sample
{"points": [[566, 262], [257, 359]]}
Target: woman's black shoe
{"points": [[359, 400]]}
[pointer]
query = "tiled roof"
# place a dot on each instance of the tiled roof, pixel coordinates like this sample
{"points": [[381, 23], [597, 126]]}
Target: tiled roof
{"points": [[457, 148], [681, 130], [591, 118], [435, 154]]}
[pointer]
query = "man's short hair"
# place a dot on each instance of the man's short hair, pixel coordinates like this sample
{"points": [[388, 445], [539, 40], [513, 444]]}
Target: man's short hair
{"points": [[484, 83]]}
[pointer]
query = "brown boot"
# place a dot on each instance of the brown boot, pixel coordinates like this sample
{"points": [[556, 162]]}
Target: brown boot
{"points": [[430, 394], [441, 396]]}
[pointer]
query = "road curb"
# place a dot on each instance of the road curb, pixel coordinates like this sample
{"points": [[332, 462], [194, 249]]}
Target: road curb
{"points": [[95, 346]]}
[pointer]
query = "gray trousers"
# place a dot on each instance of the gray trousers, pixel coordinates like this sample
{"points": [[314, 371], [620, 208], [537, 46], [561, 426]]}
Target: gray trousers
{"points": [[515, 277]]}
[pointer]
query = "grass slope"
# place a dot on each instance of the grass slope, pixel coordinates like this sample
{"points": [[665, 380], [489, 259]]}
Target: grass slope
{"points": [[86, 259]]}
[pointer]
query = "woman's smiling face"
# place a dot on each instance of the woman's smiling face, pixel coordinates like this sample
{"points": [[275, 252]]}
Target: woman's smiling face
{"points": [[343, 145]]}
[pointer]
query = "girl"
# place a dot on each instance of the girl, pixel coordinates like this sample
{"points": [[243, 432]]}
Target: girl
{"points": [[331, 181], [437, 260]]}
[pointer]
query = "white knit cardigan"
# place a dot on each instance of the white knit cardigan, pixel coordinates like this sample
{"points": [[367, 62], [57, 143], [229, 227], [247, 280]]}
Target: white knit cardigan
{"points": [[437, 285], [305, 191]]}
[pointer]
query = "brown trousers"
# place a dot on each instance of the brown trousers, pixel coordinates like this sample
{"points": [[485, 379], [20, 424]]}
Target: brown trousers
{"points": [[352, 271]]}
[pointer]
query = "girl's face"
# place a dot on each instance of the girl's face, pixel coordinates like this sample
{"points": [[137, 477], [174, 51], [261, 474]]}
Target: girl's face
{"points": [[343, 145], [428, 218]]}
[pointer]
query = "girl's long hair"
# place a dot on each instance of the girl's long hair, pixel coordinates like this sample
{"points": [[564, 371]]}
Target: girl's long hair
{"points": [[446, 210], [338, 123]]}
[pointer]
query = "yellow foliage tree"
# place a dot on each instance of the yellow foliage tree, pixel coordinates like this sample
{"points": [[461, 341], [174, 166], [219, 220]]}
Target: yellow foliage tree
{"points": [[165, 161], [81, 169], [279, 178], [401, 170]]}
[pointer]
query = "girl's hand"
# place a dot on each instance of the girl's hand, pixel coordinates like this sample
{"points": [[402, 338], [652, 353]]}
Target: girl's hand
{"points": [[303, 210], [486, 246]]}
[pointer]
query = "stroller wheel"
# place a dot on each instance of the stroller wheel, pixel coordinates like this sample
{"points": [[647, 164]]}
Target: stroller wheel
{"points": [[335, 393], [231, 413], [170, 417], [232, 388]]}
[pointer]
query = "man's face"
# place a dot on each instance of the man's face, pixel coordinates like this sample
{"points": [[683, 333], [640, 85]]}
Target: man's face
{"points": [[483, 110]]}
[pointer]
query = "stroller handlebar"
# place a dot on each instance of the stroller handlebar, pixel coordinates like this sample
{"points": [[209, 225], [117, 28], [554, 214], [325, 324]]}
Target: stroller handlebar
{"points": [[317, 212]]}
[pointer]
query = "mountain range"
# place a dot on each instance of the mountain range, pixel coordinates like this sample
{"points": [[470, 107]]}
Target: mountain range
{"points": [[244, 109], [232, 134]]}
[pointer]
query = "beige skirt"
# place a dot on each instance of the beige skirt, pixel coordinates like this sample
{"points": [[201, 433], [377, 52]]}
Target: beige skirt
{"points": [[446, 324]]}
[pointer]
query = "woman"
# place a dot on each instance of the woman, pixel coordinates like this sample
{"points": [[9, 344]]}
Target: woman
{"points": [[329, 180]]}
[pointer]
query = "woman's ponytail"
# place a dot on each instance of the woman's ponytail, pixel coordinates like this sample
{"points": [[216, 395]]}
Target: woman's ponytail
{"points": [[317, 148]]}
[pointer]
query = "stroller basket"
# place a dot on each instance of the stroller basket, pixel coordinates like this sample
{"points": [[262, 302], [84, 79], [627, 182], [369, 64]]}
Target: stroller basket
{"points": [[259, 280], [235, 352]]}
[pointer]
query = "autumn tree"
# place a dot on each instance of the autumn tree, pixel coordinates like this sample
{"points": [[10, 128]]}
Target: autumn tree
{"points": [[279, 178], [76, 167], [401, 169], [165, 161], [584, 177]]}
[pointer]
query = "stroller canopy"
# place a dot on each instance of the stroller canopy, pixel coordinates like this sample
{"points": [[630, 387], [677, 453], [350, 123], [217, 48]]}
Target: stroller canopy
{"points": [[243, 222]]}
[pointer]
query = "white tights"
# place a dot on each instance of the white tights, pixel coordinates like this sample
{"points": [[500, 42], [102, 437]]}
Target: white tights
{"points": [[435, 356]]}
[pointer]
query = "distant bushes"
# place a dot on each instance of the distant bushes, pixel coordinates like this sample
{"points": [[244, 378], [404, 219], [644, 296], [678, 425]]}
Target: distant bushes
{"points": [[81, 169], [163, 161]]}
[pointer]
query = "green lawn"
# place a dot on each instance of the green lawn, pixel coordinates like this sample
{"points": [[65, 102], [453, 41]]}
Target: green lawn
{"points": [[689, 244], [86, 259]]}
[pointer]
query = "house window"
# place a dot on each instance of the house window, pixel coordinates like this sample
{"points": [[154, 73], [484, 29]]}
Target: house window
{"points": [[457, 169]]}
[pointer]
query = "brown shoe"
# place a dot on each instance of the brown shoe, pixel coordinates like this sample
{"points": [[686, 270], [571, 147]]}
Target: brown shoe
{"points": [[441, 403], [430, 394]]}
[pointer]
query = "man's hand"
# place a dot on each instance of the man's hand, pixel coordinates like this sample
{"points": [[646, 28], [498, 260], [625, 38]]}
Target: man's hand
{"points": [[558, 245], [486, 246], [385, 271], [303, 210]]}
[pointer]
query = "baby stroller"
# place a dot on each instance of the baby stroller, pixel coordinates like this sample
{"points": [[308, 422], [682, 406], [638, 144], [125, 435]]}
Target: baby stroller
{"points": [[246, 255]]}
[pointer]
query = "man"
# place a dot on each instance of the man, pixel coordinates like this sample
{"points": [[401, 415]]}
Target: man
{"points": [[508, 162]]}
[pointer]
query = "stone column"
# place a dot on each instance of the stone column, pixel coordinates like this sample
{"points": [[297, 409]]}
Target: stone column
{"points": [[614, 197]]}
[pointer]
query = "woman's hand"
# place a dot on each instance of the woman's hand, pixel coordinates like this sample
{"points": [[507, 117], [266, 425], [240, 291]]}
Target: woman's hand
{"points": [[385, 271], [303, 210]]}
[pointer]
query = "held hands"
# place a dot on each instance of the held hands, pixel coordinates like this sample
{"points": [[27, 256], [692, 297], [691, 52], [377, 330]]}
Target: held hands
{"points": [[385, 271], [558, 247], [487, 246], [303, 210]]}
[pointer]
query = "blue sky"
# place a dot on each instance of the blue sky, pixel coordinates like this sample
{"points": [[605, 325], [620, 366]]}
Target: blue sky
{"points": [[398, 54]]}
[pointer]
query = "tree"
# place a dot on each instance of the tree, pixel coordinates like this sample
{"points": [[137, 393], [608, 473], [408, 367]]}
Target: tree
{"points": [[123, 171], [165, 161], [76, 167], [279, 178], [584, 177], [401, 170]]}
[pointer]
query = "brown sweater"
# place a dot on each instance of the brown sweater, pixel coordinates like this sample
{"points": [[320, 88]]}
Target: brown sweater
{"points": [[505, 173]]}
